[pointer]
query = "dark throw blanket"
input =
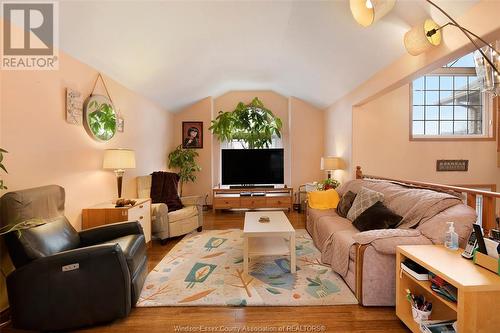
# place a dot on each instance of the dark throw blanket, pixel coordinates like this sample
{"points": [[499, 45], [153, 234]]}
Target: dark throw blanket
{"points": [[164, 189]]}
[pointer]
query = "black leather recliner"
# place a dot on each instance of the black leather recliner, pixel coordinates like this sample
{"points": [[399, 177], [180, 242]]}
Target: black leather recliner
{"points": [[66, 279]]}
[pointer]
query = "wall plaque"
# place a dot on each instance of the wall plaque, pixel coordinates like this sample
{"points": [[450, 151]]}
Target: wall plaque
{"points": [[74, 107], [452, 165]]}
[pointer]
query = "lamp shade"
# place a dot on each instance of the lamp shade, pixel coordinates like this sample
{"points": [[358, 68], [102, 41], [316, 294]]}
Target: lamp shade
{"points": [[367, 12], [332, 163], [416, 40], [119, 159]]}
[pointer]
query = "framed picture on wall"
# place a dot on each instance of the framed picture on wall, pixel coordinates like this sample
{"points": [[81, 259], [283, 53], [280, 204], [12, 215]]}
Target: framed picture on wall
{"points": [[192, 134]]}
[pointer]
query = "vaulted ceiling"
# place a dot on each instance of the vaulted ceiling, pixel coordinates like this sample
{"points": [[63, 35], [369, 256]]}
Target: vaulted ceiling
{"points": [[177, 52]]}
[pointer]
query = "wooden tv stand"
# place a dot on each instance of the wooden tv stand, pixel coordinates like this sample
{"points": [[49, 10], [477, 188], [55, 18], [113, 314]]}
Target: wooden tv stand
{"points": [[225, 198]]}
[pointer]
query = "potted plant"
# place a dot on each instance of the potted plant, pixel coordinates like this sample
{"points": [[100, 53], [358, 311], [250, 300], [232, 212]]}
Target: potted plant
{"points": [[2, 151], [251, 123], [184, 160], [327, 184]]}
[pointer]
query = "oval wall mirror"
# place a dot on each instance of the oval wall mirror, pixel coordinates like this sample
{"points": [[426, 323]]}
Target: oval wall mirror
{"points": [[99, 117]]}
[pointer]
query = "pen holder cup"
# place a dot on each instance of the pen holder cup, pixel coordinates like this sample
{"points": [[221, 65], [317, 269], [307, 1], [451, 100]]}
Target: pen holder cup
{"points": [[419, 315]]}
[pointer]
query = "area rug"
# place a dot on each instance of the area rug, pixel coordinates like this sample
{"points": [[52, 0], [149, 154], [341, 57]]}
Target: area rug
{"points": [[206, 269]]}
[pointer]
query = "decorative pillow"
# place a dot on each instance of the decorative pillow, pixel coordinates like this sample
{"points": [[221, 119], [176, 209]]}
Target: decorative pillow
{"points": [[364, 200], [377, 216], [345, 203], [323, 199]]}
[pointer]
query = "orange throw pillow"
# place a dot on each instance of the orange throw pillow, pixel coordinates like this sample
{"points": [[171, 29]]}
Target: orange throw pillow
{"points": [[328, 199]]}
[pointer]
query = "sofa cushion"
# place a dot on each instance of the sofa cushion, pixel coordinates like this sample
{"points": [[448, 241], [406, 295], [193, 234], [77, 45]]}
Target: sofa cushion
{"points": [[415, 205], [323, 199], [181, 214], [364, 200], [134, 250], [436, 227], [56, 235], [325, 226], [352, 185], [345, 203], [377, 216]]}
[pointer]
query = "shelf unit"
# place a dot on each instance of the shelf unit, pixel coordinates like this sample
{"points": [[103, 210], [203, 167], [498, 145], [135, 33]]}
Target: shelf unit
{"points": [[225, 198], [478, 298]]}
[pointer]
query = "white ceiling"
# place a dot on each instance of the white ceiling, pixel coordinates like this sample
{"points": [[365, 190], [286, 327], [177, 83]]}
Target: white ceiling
{"points": [[179, 52]]}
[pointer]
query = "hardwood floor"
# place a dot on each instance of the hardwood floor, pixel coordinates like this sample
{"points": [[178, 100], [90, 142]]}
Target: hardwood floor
{"points": [[341, 318]]}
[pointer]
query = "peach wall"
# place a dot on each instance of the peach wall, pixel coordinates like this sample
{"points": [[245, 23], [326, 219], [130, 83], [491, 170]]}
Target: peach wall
{"points": [[44, 149], [482, 19], [382, 148], [306, 142], [199, 111]]}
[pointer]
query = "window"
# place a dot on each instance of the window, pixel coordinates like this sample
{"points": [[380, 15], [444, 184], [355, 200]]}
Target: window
{"points": [[448, 103], [236, 144]]}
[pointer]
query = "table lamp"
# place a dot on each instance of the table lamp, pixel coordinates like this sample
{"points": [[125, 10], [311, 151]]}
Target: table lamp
{"points": [[119, 160], [331, 163]]}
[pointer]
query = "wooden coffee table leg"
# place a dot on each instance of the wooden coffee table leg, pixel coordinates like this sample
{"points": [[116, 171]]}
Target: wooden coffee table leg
{"points": [[245, 255], [293, 261]]}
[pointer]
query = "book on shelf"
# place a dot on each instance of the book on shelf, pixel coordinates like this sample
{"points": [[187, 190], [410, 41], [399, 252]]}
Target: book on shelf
{"points": [[443, 288]]}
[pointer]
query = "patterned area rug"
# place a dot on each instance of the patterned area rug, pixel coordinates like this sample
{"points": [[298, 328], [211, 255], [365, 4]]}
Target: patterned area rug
{"points": [[206, 269]]}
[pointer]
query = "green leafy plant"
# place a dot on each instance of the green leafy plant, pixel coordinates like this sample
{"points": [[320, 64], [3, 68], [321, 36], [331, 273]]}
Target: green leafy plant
{"points": [[250, 123], [184, 160], [102, 120], [2, 151], [327, 184]]}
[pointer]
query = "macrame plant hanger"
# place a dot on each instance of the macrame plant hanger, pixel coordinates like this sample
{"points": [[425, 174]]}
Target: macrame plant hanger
{"points": [[105, 88], [118, 113]]}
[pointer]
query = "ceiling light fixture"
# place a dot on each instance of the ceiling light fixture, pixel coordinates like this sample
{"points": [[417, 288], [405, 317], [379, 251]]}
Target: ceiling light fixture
{"points": [[427, 34], [417, 40], [367, 12]]}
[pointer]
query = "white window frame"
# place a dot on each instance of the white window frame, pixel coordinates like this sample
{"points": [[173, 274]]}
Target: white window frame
{"points": [[488, 117]]}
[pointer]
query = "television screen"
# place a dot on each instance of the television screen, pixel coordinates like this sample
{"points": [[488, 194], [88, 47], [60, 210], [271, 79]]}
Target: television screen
{"points": [[252, 166]]}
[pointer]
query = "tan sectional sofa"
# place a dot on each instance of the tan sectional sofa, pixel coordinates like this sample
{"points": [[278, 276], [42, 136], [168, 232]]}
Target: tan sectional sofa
{"points": [[366, 260]]}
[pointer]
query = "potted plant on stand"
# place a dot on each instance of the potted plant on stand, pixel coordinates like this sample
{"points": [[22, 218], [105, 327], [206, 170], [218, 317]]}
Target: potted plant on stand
{"points": [[2, 151], [5, 262], [184, 160]]}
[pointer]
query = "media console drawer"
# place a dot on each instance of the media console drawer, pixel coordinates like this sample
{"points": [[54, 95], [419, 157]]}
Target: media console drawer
{"points": [[279, 202], [226, 203], [253, 202]]}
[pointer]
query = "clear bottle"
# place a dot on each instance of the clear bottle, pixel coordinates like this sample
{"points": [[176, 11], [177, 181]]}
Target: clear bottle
{"points": [[451, 239]]}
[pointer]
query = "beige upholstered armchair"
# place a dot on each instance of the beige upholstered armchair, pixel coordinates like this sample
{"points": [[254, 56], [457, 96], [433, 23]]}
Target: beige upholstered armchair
{"points": [[167, 224]]}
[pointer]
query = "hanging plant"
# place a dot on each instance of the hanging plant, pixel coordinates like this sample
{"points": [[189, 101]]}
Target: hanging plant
{"points": [[251, 123]]}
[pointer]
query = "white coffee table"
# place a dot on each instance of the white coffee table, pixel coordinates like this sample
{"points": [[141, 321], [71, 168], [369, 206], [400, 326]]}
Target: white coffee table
{"points": [[268, 239]]}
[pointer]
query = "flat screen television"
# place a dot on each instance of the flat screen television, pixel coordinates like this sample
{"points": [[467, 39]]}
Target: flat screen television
{"points": [[252, 166]]}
